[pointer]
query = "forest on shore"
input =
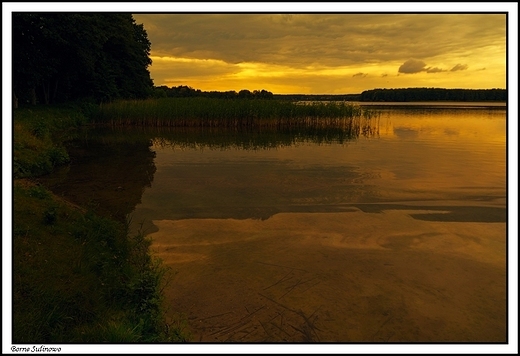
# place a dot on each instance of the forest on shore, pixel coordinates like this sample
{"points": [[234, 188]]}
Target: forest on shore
{"points": [[433, 94], [377, 95]]}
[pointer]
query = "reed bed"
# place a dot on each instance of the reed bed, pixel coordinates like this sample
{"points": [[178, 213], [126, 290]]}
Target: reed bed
{"points": [[222, 138], [234, 113]]}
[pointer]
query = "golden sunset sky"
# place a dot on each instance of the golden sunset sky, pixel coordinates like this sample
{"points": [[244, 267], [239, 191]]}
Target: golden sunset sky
{"points": [[320, 48], [334, 53]]}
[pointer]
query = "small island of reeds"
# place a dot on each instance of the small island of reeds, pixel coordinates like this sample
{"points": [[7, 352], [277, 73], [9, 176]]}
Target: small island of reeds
{"points": [[232, 113]]}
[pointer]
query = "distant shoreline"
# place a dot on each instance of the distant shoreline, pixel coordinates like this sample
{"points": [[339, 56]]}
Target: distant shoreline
{"points": [[497, 104], [403, 95], [357, 98], [409, 95]]}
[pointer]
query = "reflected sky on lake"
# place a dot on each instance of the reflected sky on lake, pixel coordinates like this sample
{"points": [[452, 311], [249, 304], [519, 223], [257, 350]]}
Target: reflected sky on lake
{"points": [[398, 236], [418, 155], [395, 234]]}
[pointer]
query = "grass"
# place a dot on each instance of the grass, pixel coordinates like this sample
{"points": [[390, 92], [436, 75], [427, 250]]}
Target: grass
{"points": [[232, 113], [38, 134], [79, 277]]}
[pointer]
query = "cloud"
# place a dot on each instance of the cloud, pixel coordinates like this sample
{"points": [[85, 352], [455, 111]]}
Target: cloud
{"points": [[220, 47], [189, 68], [434, 70], [459, 67], [300, 40], [412, 66]]}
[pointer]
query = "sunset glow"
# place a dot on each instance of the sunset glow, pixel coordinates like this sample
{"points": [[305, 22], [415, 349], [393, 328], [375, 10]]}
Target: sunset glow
{"points": [[327, 53]]}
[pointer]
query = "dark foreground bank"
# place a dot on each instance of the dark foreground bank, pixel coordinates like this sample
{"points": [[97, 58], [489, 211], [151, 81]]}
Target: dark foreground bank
{"points": [[78, 277]]}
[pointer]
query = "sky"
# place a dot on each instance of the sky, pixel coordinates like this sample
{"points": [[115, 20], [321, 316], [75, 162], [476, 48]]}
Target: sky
{"points": [[334, 53]]}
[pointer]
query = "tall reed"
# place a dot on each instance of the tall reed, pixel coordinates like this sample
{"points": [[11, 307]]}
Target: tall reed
{"points": [[232, 113]]}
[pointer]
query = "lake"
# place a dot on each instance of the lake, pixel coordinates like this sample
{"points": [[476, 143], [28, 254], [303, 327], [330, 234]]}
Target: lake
{"points": [[395, 232]]}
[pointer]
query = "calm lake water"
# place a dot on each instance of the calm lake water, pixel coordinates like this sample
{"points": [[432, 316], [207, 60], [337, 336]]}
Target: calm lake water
{"points": [[393, 233]]}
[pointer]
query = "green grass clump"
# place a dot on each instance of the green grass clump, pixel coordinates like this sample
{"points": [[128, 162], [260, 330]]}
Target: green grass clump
{"points": [[229, 113], [38, 135], [78, 277]]}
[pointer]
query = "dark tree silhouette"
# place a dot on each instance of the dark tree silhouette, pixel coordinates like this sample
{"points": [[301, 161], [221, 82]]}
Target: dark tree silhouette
{"points": [[67, 56], [183, 91], [434, 94]]}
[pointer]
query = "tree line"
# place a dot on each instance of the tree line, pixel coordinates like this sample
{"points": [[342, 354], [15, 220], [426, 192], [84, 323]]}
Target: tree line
{"points": [[396, 95], [433, 94], [183, 91], [59, 57], [318, 97]]}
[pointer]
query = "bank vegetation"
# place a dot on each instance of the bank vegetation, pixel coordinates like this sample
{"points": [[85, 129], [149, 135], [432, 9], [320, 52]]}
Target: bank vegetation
{"points": [[78, 276]]}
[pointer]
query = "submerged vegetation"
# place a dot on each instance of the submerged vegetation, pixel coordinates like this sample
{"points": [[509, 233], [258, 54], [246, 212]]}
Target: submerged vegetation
{"points": [[240, 113]]}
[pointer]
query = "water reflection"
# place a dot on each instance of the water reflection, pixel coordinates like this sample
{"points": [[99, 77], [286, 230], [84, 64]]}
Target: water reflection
{"points": [[111, 167], [394, 231], [395, 237], [108, 172], [405, 154], [261, 138]]}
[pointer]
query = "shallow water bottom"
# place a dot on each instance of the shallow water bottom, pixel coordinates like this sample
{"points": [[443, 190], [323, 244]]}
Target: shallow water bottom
{"points": [[336, 277]]}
